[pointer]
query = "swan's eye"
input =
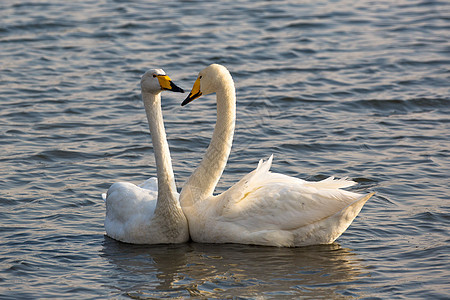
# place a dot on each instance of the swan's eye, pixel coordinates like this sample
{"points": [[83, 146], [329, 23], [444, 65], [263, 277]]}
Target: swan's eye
{"points": [[200, 77], [154, 76]]}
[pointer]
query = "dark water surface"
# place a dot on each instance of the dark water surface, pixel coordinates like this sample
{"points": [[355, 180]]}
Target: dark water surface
{"points": [[345, 88]]}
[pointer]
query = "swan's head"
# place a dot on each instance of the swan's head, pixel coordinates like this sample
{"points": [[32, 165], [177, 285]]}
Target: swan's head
{"points": [[155, 81], [209, 80]]}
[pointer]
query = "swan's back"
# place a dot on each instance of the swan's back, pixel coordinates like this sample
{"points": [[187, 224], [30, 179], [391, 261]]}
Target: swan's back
{"points": [[129, 209], [268, 208]]}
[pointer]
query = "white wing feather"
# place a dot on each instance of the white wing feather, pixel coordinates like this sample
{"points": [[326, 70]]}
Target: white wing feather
{"points": [[272, 209], [129, 208]]}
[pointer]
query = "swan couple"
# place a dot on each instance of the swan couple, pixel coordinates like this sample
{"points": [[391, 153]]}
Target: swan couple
{"points": [[263, 208]]}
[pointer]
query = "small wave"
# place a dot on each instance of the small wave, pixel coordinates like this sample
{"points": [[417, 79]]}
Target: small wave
{"points": [[66, 155], [421, 104]]}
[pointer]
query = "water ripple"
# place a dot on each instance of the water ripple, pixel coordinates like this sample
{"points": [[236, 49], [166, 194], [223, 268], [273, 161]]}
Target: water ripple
{"points": [[330, 88]]}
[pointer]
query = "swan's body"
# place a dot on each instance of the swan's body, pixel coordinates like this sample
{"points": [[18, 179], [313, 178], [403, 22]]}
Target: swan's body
{"points": [[149, 213], [263, 208]]}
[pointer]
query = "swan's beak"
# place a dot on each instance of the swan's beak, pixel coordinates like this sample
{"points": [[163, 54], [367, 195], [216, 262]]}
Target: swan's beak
{"points": [[167, 84], [194, 94]]}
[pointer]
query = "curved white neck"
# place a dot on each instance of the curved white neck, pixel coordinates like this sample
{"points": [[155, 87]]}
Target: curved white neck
{"points": [[202, 182], [166, 180]]}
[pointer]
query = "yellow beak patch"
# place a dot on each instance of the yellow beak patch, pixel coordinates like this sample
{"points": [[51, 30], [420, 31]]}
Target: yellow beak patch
{"points": [[164, 82], [167, 84], [194, 94]]}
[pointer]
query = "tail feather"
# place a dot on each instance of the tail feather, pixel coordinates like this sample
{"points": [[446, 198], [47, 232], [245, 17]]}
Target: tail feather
{"points": [[332, 183], [264, 166]]}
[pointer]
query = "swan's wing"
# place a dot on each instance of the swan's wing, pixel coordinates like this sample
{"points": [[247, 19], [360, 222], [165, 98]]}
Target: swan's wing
{"points": [[150, 184], [269, 201], [128, 206], [125, 200], [331, 183]]}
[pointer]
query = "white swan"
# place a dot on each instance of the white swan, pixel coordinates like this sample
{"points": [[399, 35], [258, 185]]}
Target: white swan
{"points": [[149, 213], [263, 208]]}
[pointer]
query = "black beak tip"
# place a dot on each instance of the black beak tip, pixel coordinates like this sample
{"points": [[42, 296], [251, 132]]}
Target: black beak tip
{"points": [[175, 88], [191, 98], [186, 101]]}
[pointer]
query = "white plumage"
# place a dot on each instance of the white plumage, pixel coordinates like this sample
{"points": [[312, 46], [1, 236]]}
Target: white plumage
{"points": [[263, 208], [129, 211], [149, 213]]}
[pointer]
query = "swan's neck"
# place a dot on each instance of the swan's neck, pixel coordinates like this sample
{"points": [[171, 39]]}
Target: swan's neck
{"points": [[166, 180], [202, 182]]}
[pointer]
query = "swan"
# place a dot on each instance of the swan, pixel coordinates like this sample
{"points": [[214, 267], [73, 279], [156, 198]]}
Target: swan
{"points": [[149, 213], [263, 208]]}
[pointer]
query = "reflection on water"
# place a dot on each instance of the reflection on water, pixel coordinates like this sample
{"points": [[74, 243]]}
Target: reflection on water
{"points": [[231, 270]]}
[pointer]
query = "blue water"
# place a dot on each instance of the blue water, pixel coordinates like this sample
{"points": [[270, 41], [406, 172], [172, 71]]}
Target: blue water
{"points": [[358, 89]]}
